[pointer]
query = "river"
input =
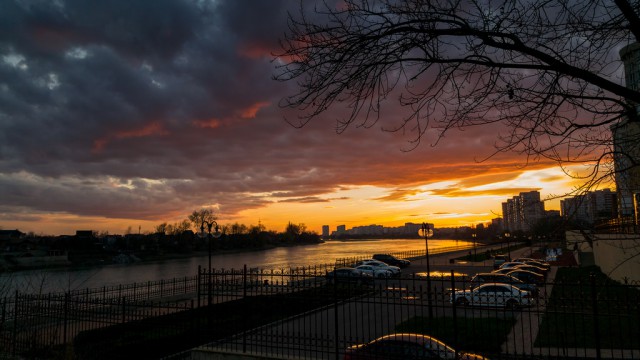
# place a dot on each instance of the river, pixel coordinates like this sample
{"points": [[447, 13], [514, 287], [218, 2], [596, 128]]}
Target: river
{"points": [[54, 280]]}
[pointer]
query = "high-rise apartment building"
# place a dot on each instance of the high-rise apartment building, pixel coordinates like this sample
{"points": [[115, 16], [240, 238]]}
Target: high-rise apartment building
{"points": [[590, 207], [325, 231], [522, 212], [626, 137]]}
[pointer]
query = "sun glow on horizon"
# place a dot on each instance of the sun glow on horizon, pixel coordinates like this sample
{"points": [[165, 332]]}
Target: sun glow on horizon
{"points": [[450, 203]]}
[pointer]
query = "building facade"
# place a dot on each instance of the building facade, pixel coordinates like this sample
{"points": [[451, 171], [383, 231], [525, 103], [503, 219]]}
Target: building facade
{"points": [[522, 212], [591, 207], [625, 140]]}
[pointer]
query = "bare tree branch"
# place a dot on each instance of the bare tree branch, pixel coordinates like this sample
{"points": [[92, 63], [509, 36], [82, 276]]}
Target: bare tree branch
{"points": [[547, 71]]}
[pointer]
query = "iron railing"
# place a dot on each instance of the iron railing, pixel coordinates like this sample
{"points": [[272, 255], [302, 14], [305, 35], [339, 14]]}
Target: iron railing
{"points": [[301, 313]]}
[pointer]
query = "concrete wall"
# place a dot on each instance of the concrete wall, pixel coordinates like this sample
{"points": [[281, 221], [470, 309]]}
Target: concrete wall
{"points": [[617, 255]]}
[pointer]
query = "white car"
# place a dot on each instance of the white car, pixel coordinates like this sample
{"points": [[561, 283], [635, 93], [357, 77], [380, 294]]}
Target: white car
{"points": [[494, 295], [382, 265], [510, 264], [373, 271]]}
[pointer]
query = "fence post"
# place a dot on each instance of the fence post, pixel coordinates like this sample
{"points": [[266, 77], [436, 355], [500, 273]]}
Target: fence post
{"points": [[124, 314], [244, 313], [65, 317], [454, 313], [198, 285], [4, 312], [335, 313], [244, 281], [594, 304], [15, 326]]}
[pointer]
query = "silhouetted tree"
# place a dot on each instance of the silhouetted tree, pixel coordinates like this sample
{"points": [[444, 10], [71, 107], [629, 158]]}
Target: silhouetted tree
{"points": [[197, 217]]}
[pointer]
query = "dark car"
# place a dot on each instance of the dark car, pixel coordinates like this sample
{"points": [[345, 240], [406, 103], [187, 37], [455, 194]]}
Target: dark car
{"points": [[539, 264], [536, 262], [527, 276], [348, 275], [392, 260], [483, 278], [406, 346], [532, 268], [500, 259]]}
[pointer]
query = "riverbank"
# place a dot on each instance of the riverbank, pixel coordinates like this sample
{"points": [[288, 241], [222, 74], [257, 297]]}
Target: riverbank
{"points": [[14, 262]]}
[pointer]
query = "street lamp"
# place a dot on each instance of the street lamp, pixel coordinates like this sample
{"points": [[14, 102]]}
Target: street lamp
{"points": [[426, 230], [507, 236], [475, 253], [209, 235]]}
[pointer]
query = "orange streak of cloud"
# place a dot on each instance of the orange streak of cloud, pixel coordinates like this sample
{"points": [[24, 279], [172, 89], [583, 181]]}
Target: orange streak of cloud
{"points": [[208, 124], [152, 129], [457, 192], [251, 111], [399, 195]]}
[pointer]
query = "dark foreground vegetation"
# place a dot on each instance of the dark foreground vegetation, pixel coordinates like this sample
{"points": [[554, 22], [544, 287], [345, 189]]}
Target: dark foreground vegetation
{"points": [[579, 312]]}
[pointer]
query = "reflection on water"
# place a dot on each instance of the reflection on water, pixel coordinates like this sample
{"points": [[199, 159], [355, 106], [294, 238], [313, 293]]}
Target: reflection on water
{"points": [[37, 281]]}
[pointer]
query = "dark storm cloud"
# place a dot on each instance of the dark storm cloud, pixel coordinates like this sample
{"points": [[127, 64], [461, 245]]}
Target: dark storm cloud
{"points": [[151, 107]]}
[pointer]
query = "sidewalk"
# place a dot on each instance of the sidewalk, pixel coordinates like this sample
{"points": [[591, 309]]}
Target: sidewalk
{"points": [[442, 262]]}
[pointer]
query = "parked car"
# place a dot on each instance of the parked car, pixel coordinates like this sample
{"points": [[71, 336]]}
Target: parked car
{"points": [[527, 276], [502, 271], [534, 262], [348, 275], [494, 295], [500, 259], [522, 265], [379, 264], [374, 271], [392, 260], [509, 264], [532, 268], [485, 278], [406, 346]]}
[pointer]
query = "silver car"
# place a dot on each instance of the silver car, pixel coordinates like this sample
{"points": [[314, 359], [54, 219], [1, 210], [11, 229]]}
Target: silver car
{"points": [[493, 295]]}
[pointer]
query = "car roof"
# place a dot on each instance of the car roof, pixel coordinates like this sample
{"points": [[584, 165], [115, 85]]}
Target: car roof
{"points": [[524, 271], [496, 284], [416, 338], [495, 274]]}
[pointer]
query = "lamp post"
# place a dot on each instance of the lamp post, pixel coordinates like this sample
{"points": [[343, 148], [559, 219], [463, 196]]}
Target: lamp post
{"points": [[475, 253], [209, 235], [426, 230], [508, 236]]}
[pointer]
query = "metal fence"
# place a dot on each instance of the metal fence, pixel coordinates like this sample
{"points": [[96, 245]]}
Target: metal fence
{"points": [[572, 320], [301, 313], [33, 325]]}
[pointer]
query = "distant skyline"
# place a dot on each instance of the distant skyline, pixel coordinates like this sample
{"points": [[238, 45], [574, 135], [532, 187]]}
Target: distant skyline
{"points": [[118, 114]]}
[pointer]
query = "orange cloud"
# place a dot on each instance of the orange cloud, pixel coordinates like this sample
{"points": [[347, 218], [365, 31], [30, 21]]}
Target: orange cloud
{"points": [[251, 111], [399, 195], [152, 129], [211, 123], [458, 192]]}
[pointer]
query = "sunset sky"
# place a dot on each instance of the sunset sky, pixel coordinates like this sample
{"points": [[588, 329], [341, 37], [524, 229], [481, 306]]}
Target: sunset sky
{"points": [[127, 114]]}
